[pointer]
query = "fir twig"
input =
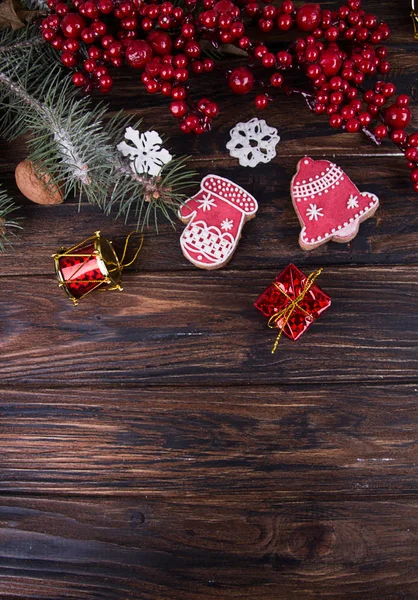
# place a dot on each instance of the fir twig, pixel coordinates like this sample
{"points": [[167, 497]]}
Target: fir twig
{"points": [[7, 225], [70, 141]]}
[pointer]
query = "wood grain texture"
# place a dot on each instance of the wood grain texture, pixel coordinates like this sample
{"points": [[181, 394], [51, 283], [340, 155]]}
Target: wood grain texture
{"points": [[269, 240], [152, 448], [202, 329], [234, 447], [135, 549]]}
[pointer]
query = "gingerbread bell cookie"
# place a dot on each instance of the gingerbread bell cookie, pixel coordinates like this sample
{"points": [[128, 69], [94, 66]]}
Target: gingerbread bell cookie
{"points": [[215, 217], [328, 204]]}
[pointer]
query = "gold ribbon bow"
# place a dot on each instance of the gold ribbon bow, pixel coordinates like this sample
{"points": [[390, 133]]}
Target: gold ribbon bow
{"points": [[287, 311]]}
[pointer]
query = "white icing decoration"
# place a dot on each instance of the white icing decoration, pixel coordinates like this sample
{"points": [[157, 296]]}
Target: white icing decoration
{"points": [[352, 202], [257, 132], [313, 212], [146, 155]]}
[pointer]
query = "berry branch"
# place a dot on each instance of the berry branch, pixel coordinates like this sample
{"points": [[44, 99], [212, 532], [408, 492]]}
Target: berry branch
{"points": [[337, 51], [72, 146]]}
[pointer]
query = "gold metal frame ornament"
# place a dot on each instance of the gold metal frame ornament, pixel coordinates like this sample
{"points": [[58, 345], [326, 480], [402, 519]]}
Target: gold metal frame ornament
{"points": [[104, 259], [414, 17]]}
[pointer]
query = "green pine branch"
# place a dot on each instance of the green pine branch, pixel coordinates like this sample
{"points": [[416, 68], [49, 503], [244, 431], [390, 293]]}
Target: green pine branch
{"points": [[7, 224], [71, 141]]}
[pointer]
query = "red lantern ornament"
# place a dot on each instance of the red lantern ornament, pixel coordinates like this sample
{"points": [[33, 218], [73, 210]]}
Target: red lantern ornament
{"points": [[89, 266], [292, 302]]}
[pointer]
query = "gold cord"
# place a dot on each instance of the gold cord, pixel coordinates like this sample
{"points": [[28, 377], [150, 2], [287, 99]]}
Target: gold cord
{"points": [[287, 311], [122, 264]]}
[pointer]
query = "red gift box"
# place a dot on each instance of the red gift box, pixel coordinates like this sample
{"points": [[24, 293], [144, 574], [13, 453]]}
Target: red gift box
{"points": [[292, 302]]}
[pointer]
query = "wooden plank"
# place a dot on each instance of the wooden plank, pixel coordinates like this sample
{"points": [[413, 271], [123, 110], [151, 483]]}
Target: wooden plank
{"points": [[232, 445], [271, 239], [134, 549], [203, 329]]}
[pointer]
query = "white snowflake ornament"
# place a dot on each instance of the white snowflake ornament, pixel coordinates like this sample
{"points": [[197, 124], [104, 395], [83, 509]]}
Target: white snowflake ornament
{"points": [[253, 142], [146, 155]]}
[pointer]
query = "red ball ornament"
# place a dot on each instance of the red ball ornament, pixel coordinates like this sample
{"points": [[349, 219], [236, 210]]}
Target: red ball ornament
{"points": [[330, 62], [308, 17], [138, 54], [241, 80], [397, 117], [72, 25]]}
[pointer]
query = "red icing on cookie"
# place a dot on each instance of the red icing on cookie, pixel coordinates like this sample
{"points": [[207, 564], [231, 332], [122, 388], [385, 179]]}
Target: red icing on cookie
{"points": [[215, 217], [328, 204]]}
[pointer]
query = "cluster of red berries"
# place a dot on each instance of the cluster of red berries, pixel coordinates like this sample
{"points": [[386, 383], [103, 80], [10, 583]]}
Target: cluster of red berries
{"points": [[162, 41]]}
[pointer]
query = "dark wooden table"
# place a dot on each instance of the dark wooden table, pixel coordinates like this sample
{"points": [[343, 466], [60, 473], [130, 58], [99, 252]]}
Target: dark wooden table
{"points": [[153, 448]]}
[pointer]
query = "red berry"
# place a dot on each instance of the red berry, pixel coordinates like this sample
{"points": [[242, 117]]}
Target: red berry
{"points": [[284, 58], [402, 101], [308, 17], [364, 118], [191, 121], [336, 98], [241, 80], [413, 140], [49, 34], [414, 175], [411, 154], [78, 79], [138, 54], [288, 7], [107, 40], [192, 49], [269, 60], [389, 90], [352, 125], [152, 86], [336, 121], [211, 110], [261, 101], [313, 71], [180, 61], [181, 75], [61, 9], [105, 82], [167, 73], [397, 117], [276, 79], [160, 42], [105, 6], [178, 108], [68, 59], [197, 67], [72, 25], [330, 62], [187, 30], [399, 137], [166, 88], [178, 93], [284, 22], [87, 35]]}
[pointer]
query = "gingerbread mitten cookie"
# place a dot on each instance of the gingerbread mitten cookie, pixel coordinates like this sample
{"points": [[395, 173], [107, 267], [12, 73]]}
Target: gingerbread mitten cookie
{"points": [[215, 217], [328, 204]]}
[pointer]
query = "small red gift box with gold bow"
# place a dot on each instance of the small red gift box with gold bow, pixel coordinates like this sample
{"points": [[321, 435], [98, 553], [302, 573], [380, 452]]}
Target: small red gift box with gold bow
{"points": [[292, 302]]}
